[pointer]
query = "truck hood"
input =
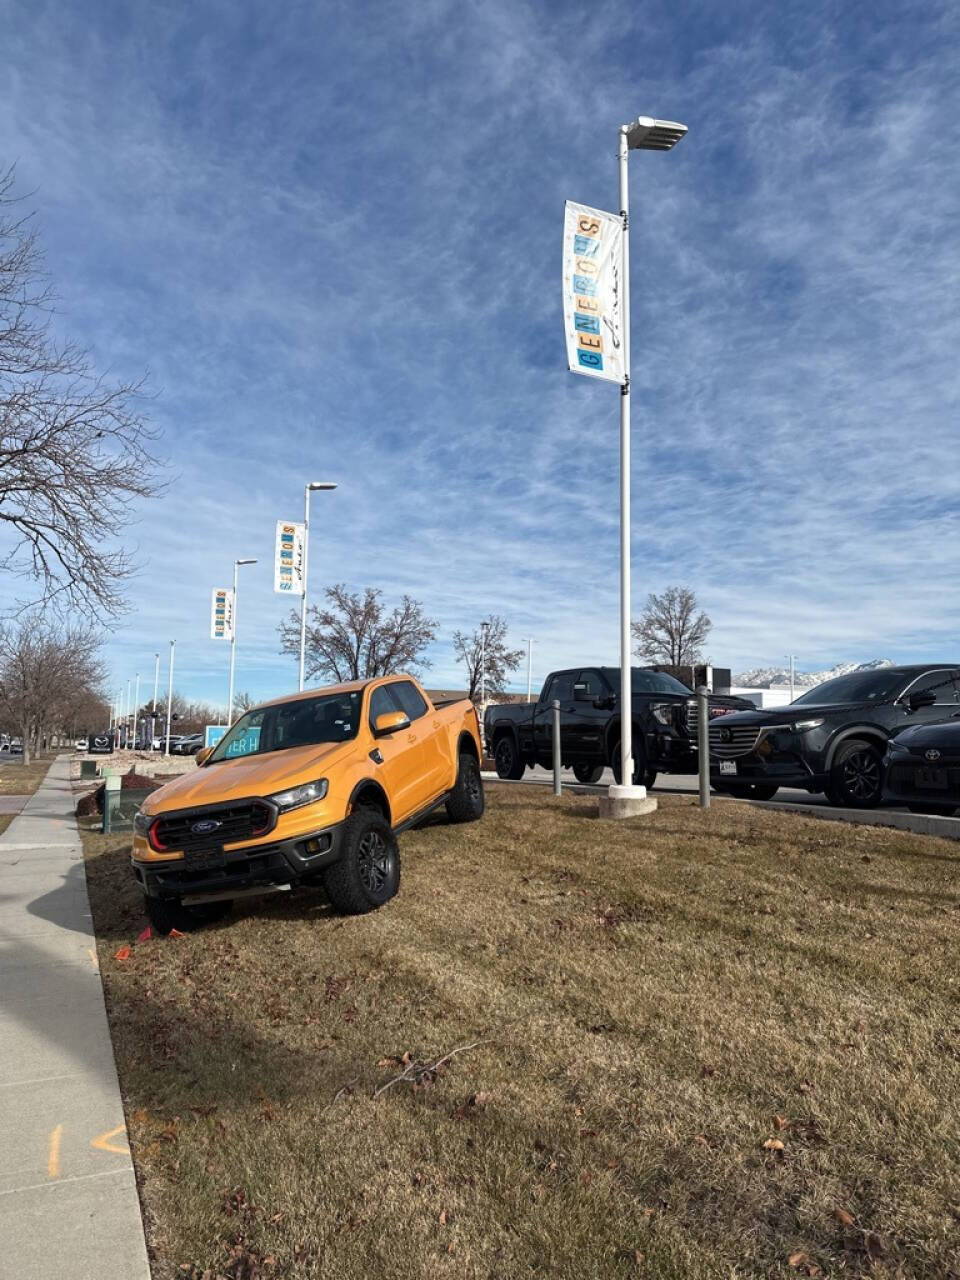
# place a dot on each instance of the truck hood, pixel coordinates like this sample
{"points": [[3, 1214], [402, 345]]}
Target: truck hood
{"points": [[256, 775]]}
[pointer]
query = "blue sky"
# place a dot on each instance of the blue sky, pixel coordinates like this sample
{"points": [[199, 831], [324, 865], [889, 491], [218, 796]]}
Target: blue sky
{"points": [[332, 235]]}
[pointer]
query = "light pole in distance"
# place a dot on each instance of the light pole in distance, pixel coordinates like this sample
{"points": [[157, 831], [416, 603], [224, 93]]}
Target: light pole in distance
{"points": [[529, 640], [307, 490], [166, 749], [233, 636], [644, 134], [484, 627], [793, 659]]}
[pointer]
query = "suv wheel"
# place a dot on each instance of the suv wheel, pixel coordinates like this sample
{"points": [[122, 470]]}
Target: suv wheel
{"points": [[587, 773], [507, 759], [368, 872], [855, 776], [165, 914], [465, 801]]}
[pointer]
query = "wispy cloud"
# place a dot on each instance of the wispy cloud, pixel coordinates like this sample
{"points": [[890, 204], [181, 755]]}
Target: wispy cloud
{"points": [[332, 233]]}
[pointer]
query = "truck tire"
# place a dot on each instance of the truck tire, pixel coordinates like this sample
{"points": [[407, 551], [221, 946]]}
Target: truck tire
{"points": [[641, 770], [507, 759], [465, 801], [367, 874], [588, 773], [165, 914], [855, 775]]}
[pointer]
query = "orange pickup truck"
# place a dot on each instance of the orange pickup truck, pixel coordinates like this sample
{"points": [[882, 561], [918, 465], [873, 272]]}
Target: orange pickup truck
{"points": [[312, 788]]}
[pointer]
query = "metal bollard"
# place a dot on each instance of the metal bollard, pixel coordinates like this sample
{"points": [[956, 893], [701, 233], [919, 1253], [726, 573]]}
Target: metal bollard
{"points": [[703, 745], [556, 747]]}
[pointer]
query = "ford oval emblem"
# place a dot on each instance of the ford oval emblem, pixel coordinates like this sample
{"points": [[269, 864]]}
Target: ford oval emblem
{"points": [[205, 826], [932, 754]]}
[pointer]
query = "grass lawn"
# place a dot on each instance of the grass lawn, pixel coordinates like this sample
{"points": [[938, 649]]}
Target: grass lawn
{"points": [[19, 779], [713, 1045]]}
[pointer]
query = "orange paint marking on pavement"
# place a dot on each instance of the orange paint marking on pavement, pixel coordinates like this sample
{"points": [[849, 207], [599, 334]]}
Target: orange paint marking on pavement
{"points": [[103, 1143], [53, 1159]]}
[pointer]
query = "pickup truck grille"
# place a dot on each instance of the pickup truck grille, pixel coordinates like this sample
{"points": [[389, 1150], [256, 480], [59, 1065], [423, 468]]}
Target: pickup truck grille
{"points": [[245, 820], [727, 742]]}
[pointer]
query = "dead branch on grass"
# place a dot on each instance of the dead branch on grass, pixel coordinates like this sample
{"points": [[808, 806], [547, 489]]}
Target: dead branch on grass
{"points": [[419, 1073]]}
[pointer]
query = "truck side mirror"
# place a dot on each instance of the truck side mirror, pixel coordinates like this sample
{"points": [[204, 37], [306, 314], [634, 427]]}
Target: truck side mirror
{"points": [[203, 755], [390, 722], [606, 702], [581, 693]]}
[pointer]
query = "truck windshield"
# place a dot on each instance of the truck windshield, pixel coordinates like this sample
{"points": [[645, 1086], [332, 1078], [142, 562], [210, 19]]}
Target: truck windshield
{"points": [[305, 722], [643, 681], [859, 686]]}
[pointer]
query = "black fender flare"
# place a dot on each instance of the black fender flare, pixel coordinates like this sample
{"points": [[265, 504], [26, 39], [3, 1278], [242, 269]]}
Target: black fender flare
{"points": [[370, 784]]}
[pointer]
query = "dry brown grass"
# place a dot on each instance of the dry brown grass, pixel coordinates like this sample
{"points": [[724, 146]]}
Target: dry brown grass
{"points": [[19, 779], [664, 998]]}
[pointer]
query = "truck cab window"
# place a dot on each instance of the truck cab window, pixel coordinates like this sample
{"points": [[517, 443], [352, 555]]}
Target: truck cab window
{"points": [[382, 703], [410, 700]]}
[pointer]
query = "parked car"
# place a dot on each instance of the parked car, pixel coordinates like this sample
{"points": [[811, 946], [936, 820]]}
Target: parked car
{"points": [[833, 738], [922, 768], [81, 744], [188, 745], [312, 788], [520, 735]]}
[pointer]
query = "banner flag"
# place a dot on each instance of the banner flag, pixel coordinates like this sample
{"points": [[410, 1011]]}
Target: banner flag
{"points": [[221, 613], [592, 292], [288, 559]]}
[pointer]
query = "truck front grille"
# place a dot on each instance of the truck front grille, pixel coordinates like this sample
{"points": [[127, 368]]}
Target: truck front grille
{"points": [[244, 820]]}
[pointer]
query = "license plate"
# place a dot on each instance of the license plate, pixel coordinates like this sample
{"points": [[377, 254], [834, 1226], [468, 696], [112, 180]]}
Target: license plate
{"points": [[209, 859], [728, 766], [932, 779]]}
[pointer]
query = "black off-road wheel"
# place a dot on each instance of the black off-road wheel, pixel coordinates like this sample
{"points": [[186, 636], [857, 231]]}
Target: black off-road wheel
{"points": [[507, 759], [855, 776], [367, 874], [465, 801], [588, 774], [165, 914], [642, 772]]}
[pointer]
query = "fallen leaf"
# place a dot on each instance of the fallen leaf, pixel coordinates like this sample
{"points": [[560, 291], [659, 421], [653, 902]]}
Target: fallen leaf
{"points": [[799, 1259], [781, 1123], [875, 1245], [406, 1060], [773, 1144], [122, 954], [587, 1178], [175, 933], [637, 1256], [843, 1217], [443, 1218]]}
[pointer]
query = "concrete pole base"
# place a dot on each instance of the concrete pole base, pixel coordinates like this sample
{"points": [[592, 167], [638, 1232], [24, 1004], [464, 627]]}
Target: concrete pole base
{"points": [[626, 802]]}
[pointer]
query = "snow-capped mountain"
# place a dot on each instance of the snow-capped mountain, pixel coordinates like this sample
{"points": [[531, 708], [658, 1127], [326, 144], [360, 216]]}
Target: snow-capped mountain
{"points": [[776, 677]]}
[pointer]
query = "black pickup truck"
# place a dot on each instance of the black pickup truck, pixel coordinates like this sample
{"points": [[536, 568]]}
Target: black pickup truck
{"points": [[664, 712]]}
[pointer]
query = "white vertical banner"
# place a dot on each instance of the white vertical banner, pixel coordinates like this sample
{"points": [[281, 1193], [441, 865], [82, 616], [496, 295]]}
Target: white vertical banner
{"points": [[593, 291], [221, 613], [288, 558]]}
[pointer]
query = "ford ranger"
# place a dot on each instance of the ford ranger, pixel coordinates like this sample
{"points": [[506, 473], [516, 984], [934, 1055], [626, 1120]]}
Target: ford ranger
{"points": [[308, 789]]}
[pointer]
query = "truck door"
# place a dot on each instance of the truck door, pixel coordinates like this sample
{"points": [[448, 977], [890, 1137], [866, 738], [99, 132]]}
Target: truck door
{"points": [[437, 771], [398, 770], [560, 687], [584, 729]]}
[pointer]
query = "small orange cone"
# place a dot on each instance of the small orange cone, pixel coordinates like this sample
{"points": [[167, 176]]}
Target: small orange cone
{"points": [[145, 936], [122, 954], [175, 933]]}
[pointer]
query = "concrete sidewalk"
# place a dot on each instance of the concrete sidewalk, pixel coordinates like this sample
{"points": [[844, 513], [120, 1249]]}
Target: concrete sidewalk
{"points": [[68, 1198]]}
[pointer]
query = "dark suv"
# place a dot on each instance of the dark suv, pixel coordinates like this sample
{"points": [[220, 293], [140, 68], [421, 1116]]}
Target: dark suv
{"points": [[833, 738]]}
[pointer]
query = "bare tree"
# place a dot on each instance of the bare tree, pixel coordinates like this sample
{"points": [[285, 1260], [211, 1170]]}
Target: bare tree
{"points": [[490, 655], [49, 673], [355, 637], [242, 702], [74, 452], [670, 629]]}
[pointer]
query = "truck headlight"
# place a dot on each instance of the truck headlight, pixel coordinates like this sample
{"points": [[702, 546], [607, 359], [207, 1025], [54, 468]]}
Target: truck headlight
{"points": [[801, 726], [295, 797], [141, 823], [663, 713]]}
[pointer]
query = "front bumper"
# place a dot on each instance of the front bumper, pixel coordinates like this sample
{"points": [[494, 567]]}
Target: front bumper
{"points": [[281, 862], [792, 772], [902, 781]]}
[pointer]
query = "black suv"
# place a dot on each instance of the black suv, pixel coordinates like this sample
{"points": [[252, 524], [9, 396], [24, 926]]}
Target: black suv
{"points": [[834, 737]]}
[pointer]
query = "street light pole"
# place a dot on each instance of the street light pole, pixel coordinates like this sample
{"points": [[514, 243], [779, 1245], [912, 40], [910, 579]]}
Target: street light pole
{"points": [[307, 490], [529, 640], [156, 680], [166, 751], [233, 636], [126, 715], [136, 709], [644, 134], [483, 664]]}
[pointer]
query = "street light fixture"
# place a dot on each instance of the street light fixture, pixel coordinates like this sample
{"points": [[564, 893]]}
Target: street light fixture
{"points": [[233, 637], [643, 134], [307, 490]]}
